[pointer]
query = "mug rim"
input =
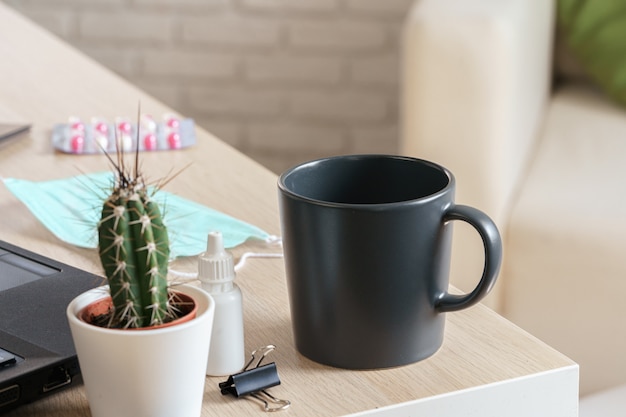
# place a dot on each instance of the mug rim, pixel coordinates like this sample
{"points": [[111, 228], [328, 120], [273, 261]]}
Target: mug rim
{"points": [[284, 189]]}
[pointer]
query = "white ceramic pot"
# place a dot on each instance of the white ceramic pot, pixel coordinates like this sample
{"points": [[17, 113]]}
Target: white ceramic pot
{"points": [[153, 373]]}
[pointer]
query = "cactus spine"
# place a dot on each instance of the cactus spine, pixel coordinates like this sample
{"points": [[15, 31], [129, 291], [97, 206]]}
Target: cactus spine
{"points": [[134, 251]]}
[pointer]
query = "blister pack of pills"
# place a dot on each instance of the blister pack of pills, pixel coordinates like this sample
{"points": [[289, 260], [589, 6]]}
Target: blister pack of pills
{"points": [[101, 135]]}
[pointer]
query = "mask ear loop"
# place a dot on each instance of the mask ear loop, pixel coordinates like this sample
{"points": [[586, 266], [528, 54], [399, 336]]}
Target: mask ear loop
{"points": [[242, 261], [271, 240]]}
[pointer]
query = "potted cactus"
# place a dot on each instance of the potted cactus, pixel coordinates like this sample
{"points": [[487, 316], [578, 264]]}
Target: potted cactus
{"points": [[134, 251], [135, 357]]}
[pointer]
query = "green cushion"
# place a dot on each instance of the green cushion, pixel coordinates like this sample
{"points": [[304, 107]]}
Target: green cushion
{"points": [[595, 31]]}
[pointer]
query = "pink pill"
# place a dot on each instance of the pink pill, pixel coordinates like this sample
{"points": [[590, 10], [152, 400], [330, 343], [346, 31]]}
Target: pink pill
{"points": [[173, 123], [77, 143], [102, 127], [173, 140], [78, 126], [124, 127], [150, 142]]}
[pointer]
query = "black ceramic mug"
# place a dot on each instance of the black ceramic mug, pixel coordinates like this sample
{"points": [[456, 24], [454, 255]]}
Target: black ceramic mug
{"points": [[367, 252]]}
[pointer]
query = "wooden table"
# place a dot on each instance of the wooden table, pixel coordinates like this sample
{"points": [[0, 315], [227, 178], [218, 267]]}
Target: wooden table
{"points": [[486, 367]]}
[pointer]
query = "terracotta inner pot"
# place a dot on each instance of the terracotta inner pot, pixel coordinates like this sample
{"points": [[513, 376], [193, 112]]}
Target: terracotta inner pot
{"points": [[104, 307]]}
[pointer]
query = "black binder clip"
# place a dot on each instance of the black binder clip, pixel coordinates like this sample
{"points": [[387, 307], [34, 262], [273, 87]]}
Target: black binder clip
{"points": [[254, 382]]}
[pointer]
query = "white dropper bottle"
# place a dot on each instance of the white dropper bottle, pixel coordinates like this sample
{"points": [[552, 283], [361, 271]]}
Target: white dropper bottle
{"points": [[216, 272]]}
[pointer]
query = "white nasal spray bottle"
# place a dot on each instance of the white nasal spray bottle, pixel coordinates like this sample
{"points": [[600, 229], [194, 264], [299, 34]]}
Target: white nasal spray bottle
{"points": [[216, 272]]}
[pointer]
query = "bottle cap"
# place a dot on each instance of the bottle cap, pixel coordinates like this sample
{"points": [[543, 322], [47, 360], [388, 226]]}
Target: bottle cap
{"points": [[215, 266]]}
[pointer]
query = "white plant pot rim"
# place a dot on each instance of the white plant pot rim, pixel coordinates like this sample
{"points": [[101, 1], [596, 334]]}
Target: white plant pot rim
{"points": [[98, 293]]}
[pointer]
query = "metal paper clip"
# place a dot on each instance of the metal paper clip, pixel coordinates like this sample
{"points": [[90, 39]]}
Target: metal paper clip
{"points": [[253, 382]]}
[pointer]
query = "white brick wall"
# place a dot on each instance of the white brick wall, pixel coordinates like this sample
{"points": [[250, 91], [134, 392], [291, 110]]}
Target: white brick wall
{"points": [[282, 80]]}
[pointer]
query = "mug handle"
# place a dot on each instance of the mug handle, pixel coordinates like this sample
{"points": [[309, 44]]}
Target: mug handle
{"points": [[492, 243]]}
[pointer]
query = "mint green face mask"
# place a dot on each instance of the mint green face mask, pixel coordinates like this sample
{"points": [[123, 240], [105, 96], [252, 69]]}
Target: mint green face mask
{"points": [[70, 208]]}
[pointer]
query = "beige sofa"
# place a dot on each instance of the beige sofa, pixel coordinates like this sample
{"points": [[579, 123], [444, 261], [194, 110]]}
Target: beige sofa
{"points": [[546, 160]]}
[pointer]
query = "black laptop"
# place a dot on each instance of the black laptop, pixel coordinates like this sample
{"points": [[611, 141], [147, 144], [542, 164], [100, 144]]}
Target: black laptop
{"points": [[37, 355]]}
